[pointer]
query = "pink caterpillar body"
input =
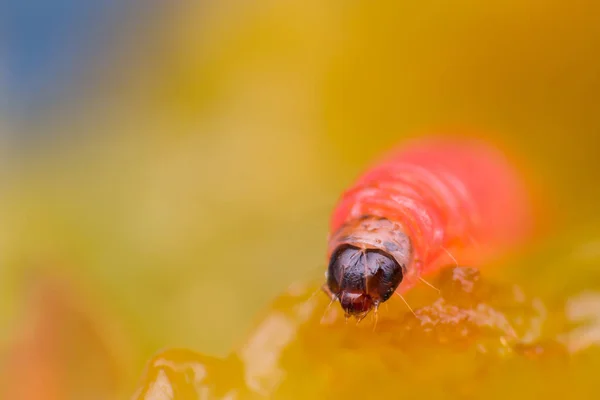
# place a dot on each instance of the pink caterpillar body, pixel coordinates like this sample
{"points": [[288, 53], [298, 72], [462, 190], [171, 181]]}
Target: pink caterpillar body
{"points": [[425, 206]]}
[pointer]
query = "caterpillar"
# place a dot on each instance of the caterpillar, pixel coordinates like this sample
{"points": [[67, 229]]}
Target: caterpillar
{"points": [[425, 205]]}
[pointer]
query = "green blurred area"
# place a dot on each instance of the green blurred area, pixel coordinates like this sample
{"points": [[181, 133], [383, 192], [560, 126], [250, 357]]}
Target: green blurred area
{"points": [[192, 179]]}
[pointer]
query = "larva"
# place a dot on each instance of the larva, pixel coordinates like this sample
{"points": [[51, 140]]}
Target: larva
{"points": [[426, 205]]}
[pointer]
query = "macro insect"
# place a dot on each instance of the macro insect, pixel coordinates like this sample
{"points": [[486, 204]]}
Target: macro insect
{"points": [[424, 206]]}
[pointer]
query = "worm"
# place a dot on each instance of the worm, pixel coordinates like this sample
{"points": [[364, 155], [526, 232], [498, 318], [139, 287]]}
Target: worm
{"points": [[423, 206]]}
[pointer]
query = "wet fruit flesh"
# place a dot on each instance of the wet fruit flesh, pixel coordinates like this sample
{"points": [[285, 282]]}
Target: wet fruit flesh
{"points": [[475, 339]]}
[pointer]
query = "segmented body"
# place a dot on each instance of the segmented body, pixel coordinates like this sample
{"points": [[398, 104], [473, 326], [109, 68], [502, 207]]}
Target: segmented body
{"points": [[453, 200]]}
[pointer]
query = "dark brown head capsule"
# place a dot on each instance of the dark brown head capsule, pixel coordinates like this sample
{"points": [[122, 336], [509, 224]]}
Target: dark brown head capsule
{"points": [[362, 278]]}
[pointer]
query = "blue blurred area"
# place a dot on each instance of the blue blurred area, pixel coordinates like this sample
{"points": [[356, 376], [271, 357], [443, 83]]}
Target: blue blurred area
{"points": [[50, 42]]}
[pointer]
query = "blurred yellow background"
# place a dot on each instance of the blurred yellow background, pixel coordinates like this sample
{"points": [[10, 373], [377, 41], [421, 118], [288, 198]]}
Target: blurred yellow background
{"points": [[187, 177]]}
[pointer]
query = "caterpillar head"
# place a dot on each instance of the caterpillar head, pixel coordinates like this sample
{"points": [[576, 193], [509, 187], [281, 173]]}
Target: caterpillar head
{"points": [[361, 279]]}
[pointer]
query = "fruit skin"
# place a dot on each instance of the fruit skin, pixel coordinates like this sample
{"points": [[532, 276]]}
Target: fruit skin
{"points": [[455, 200]]}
